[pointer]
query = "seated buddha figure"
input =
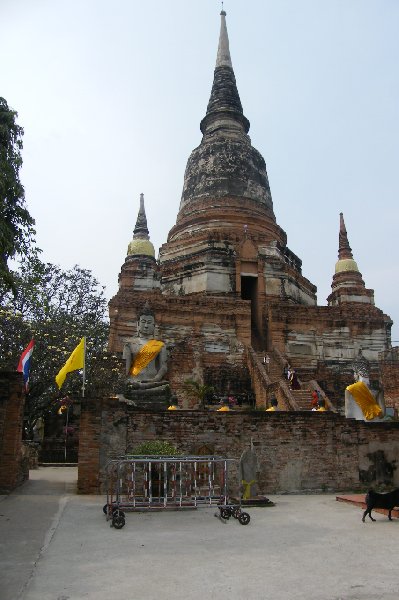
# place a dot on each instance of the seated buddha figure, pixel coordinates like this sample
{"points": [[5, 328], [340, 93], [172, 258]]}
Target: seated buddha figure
{"points": [[361, 402], [146, 357]]}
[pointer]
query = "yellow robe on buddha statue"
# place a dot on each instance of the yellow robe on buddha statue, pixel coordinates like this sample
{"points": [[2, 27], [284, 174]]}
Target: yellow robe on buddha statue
{"points": [[365, 399], [145, 355]]}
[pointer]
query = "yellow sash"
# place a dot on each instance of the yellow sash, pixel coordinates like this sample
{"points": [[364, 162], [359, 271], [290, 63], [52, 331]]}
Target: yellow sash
{"points": [[145, 355], [247, 488], [365, 399]]}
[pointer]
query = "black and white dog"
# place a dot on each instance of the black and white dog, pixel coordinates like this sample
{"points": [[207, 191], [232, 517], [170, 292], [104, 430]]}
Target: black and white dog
{"points": [[375, 500]]}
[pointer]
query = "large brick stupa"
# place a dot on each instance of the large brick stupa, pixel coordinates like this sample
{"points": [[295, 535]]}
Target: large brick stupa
{"points": [[227, 290]]}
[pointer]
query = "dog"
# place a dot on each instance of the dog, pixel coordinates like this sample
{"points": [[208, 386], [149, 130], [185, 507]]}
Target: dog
{"points": [[376, 500]]}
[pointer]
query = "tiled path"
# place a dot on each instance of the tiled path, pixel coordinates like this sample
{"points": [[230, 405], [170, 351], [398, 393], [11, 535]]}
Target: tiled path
{"points": [[358, 500]]}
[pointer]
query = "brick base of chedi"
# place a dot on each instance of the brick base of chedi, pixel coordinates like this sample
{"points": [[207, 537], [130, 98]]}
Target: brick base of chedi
{"points": [[227, 289]]}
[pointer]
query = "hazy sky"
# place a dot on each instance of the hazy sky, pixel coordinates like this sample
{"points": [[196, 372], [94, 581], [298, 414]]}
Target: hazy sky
{"points": [[111, 94]]}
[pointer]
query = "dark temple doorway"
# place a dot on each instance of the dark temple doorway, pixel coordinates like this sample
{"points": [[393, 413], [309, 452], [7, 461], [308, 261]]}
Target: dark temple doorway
{"points": [[249, 291]]}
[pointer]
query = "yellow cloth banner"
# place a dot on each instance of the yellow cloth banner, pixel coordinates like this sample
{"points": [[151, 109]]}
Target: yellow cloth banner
{"points": [[247, 488], [365, 399], [145, 355], [75, 362]]}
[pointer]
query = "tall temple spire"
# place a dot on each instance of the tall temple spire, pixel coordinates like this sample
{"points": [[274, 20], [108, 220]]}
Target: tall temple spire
{"points": [[225, 165], [224, 109], [223, 58]]}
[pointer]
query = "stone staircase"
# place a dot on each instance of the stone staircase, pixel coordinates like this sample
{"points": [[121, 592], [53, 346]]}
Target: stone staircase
{"points": [[303, 398], [274, 369], [273, 373]]}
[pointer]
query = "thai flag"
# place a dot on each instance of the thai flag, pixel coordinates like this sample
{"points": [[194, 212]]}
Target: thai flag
{"points": [[24, 362]]}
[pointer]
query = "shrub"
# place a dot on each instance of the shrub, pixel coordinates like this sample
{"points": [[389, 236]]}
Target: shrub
{"points": [[155, 448]]}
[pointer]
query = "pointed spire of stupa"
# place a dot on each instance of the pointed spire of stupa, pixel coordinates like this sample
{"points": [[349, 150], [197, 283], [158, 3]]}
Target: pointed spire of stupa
{"points": [[223, 58], [225, 164], [345, 256], [141, 229], [224, 107], [344, 250], [140, 244]]}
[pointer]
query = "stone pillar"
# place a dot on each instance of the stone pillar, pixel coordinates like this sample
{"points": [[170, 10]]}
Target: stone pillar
{"points": [[14, 467], [89, 446]]}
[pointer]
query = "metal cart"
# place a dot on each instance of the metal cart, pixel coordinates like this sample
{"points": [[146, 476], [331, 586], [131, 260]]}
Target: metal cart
{"points": [[145, 483]]}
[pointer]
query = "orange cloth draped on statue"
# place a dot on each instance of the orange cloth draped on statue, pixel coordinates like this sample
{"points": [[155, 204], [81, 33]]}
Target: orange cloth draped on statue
{"points": [[365, 399], [145, 355]]}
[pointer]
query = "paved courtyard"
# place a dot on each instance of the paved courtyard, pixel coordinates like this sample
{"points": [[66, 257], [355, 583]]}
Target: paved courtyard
{"points": [[56, 545]]}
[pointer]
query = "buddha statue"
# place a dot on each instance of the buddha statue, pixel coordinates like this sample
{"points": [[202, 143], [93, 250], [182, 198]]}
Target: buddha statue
{"points": [[361, 402], [146, 360]]}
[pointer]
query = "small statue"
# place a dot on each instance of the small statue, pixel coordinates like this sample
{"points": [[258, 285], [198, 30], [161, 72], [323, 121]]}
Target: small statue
{"points": [[361, 402], [146, 358]]}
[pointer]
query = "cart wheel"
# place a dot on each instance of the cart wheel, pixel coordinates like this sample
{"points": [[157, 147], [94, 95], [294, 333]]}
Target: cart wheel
{"points": [[237, 512], [118, 521], [225, 513], [244, 518]]}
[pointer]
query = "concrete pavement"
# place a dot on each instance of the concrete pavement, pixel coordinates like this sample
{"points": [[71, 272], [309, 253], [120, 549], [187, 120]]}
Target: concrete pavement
{"points": [[55, 545]]}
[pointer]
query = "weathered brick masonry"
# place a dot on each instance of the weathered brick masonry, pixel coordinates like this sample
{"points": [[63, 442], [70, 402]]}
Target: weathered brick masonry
{"points": [[297, 451], [389, 362], [226, 282], [14, 464]]}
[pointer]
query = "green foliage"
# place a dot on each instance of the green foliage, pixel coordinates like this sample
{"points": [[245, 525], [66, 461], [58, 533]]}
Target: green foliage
{"points": [[199, 391], [56, 308], [16, 224], [155, 448]]}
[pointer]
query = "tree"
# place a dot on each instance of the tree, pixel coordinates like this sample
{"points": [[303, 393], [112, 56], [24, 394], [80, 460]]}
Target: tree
{"points": [[199, 391], [56, 308], [16, 224]]}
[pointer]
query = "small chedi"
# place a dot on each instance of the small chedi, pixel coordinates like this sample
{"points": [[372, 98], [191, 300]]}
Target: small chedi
{"points": [[146, 365], [361, 402]]}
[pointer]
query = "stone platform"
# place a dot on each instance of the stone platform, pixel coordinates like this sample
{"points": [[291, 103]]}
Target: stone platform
{"points": [[359, 500]]}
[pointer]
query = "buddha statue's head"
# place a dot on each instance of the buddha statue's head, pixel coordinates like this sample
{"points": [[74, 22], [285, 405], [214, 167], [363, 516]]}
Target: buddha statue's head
{"points": [[146, 322], [361, 368]]}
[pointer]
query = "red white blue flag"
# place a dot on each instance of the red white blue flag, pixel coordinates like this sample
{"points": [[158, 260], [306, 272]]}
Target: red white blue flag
{"points": [[24, 362]]}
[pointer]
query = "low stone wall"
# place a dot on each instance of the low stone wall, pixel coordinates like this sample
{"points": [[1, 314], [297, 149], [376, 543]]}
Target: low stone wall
{"points": [[14, 461], [297, 451]]}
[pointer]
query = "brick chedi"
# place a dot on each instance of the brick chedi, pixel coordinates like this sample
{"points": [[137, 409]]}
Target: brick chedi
{"points": [[347, 285], [227, 286]]}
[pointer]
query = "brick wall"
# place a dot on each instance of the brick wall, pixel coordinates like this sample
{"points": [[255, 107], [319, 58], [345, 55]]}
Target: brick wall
{"points": [[389, 365], [14, 463], [297, 451]]}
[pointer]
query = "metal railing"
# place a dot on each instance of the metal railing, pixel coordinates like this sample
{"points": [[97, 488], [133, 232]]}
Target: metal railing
{"points": [[137, 483]]}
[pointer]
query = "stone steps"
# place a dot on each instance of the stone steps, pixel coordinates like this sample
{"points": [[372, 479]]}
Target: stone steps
{"points": [[303, 398], [273, 369]]}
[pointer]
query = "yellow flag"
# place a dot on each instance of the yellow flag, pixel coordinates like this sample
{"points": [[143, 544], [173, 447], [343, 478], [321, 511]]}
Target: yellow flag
{"points": [[75, 362]]}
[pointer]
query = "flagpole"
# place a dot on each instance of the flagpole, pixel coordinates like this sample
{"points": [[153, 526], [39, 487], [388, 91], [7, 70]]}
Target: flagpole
{"points": [[66, 433], [84, 366]]}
